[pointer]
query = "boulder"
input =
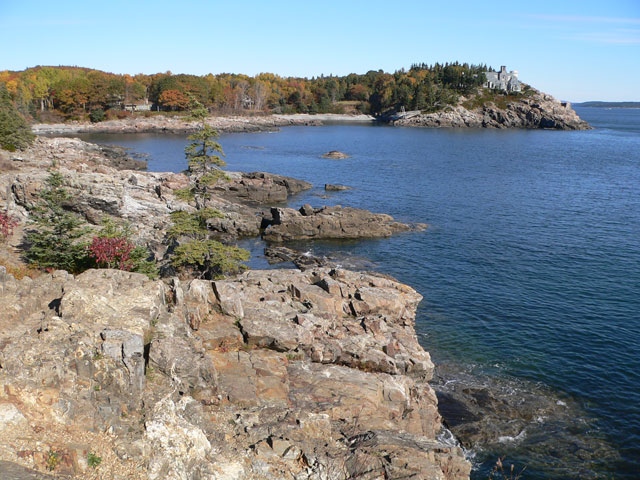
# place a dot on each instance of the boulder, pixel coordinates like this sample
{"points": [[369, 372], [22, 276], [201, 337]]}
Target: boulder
{"points": [[260, 188], [331, 222], [335, 154], [329, 187]]}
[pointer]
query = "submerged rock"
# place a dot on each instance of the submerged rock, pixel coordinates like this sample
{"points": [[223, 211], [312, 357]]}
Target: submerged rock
{"points": [[335, 154], [335, 188], [504, 416]]}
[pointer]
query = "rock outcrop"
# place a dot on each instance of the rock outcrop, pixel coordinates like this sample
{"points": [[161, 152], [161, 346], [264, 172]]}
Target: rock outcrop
{"points": [[538, 110], [145, 199], [274, 374], [162, 123], [329, 187], [331, 222], [261, 188], [336, 155]]}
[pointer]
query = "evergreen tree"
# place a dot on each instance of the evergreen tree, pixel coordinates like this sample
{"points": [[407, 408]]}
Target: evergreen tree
{"points": [[15, 133], [56, 241], [203, 153], [195, 251]]}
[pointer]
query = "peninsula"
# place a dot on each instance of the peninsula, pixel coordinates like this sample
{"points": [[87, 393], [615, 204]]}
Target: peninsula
{"points": [[73, 100]]}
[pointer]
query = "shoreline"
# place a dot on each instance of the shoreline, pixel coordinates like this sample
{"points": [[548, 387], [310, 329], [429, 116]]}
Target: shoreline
{"points": [[537, 111], [172, 124], [539, 403], [213, 360]]}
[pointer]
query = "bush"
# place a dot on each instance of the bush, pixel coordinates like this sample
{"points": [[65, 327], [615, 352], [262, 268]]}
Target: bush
{"points": [[93, 460], [113, 248], [201, 255], [57, 239], [15, 133], [97, 116], [7, 224], [185, 194], [112, 252], [209, 258], [192, 224]]}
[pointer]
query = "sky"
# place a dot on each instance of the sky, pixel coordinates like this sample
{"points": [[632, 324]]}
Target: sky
{"points": [[574, 50]]}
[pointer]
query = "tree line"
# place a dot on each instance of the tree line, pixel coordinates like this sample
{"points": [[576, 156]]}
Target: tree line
{"points": [[74, 91]]}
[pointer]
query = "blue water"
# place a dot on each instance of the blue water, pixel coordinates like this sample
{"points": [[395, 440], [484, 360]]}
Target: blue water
{"points": [[531, 266]]}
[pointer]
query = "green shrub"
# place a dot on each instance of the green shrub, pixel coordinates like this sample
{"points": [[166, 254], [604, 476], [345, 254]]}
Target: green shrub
{"points": [[192, 224], [185, 194], [200, 255], [137, 257], [209, 258], [93, 460], [97, 115], [58, 239]]}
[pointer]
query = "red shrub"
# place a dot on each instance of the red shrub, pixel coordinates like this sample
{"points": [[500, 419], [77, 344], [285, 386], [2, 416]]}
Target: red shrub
{"points": [[112, 252], [7, 224]]}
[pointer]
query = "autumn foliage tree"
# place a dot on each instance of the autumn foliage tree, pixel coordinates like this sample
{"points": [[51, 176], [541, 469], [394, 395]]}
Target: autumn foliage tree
{"points": [[173, 100], [76, 91]]}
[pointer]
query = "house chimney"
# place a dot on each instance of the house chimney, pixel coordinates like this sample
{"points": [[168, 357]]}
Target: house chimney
{"points": [[503, 69]]}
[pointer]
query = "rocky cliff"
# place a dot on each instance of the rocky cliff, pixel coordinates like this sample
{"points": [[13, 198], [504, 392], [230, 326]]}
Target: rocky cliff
{"points": [[274, 374], [535, 110], [270, 375]]}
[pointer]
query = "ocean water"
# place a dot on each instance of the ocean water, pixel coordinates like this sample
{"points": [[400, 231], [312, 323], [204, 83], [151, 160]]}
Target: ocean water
{"points": [[530, 267]]}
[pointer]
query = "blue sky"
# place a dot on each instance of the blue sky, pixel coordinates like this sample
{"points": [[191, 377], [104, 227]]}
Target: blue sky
{"points": [[574, 50]]}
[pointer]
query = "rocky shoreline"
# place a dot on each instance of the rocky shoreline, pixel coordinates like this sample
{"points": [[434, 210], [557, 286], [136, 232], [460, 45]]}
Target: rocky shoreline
{"points": [[274, 374], [159, 123], [534, 111]]}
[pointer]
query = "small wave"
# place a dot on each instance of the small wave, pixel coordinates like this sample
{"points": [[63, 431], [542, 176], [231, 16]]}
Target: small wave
{"points": [[510, 439], [446, 437]]}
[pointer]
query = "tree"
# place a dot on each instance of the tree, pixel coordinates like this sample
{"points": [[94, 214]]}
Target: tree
{"points": [[15, 133], [199, 254], [195, 251], [173, 100], [57, 238], [210, 258], [203, 154]]}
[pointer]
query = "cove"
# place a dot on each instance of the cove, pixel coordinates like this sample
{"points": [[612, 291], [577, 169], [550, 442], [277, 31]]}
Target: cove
{"points": [[530, 269]]}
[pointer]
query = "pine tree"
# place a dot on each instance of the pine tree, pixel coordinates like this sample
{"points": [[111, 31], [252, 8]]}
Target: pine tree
{"points": [[56, 240], [195, 251], [203, 154]]}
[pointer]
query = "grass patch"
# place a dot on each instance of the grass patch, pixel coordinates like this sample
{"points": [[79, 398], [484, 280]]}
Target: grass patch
{"points": [[500, 99]]}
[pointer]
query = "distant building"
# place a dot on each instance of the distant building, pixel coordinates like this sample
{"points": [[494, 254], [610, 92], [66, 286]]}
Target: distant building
{"points": [[503, 80], [138, 107]]}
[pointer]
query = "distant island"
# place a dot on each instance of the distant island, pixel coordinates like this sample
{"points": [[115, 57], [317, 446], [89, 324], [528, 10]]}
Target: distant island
{"points": [[595, 104]]}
